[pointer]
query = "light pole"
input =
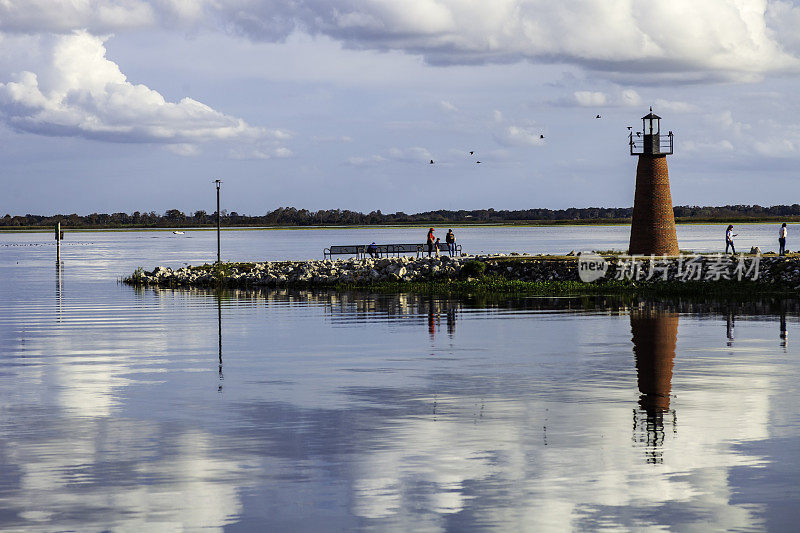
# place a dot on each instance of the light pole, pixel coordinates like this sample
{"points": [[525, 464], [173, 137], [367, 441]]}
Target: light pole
{"points": [[219, 255]]}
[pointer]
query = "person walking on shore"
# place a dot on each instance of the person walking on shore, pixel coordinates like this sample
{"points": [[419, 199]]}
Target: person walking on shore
{"points": [[729, 235], [782, 239], [430, 241], [450, 239]]}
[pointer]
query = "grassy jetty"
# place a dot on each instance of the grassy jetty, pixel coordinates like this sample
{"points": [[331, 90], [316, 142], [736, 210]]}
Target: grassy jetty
{"points": [[716, 275]]}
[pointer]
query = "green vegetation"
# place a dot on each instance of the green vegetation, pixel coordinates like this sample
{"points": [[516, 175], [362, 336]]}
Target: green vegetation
{"points": [[501, 286], [292, 217], [473, 268]]}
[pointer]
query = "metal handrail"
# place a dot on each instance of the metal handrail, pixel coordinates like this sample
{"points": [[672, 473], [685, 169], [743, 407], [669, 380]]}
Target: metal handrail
{"points": [[665, 144]]}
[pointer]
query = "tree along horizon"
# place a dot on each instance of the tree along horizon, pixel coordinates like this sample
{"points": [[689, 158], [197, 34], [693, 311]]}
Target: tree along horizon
{"points": [[290, 216]]}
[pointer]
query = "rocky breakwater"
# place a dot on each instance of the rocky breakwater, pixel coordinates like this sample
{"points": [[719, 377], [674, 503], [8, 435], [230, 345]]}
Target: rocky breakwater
{"points": [[358, 271], [614, 270]]}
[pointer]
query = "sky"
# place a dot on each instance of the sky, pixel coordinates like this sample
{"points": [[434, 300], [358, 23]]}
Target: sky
{"points": [[125, 105]]}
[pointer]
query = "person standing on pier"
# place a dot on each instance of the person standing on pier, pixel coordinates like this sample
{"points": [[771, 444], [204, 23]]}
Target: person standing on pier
{"points": [[450, 239], [729, 235], [430, 242], [782, 239]]}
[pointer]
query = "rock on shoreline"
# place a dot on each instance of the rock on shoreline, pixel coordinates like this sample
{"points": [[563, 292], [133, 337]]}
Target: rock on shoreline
{"points": [[704, 268], [313, 272]]}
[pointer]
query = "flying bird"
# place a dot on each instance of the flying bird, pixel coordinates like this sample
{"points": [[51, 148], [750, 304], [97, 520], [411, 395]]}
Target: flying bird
{"points": [[541, 136], [478, 162], [598, 116], [471, 152], [431, 161]]}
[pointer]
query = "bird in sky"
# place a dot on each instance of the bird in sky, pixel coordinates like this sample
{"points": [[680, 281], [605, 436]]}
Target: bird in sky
{"points": [[541, 136], [471, 152], [431, 161], [598, 116], [477, 162]]}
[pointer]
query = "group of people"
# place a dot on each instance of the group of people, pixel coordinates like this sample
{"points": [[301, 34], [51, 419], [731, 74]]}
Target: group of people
{"points": [[782, 233], [432, 243]]}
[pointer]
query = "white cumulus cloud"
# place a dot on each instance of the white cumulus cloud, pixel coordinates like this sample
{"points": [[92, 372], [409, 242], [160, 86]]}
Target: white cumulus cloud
{"points": [[79, 92], [723, 145], [590, 98], [679, 40], [414, 154], [783, 19], [360, 161], [629, 97], [446, 106], [676, 106], [259, 152], [520, 136], [617, 98]]}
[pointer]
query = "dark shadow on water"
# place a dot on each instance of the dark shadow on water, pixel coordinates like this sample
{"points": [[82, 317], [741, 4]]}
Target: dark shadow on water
{"points": [[654, 335], [429, 309], [784, 333]]}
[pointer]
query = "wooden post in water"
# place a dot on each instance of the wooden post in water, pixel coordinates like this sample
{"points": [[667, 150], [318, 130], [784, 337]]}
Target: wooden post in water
{"points": [[58, 243]]}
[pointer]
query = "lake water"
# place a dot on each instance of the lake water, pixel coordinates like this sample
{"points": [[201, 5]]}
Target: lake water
{"points": [[163, 410]]}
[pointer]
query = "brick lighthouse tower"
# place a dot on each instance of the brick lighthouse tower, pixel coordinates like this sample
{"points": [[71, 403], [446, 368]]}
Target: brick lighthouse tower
{"points": [[653, 224]]}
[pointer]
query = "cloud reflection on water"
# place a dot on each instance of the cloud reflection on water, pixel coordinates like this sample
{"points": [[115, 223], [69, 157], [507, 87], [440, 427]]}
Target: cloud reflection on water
{"points": [[515, 414]]}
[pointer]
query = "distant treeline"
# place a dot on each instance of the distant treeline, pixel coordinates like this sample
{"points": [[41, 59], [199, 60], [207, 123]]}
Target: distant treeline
{"points": [[289, 216]]}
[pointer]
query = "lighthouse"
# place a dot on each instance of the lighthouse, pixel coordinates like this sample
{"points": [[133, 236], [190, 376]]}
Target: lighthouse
{"points": [[653, 224]]}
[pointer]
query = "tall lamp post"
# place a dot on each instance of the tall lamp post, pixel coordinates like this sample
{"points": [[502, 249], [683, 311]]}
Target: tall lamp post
{"points": [[219, 255]]}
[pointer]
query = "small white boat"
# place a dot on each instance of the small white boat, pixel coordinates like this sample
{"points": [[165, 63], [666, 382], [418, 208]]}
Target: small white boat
{"points": [[178, 232]]}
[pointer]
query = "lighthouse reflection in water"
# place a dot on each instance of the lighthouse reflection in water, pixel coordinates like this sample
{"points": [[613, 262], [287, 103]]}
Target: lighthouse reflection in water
{"points": [[654, 335]]}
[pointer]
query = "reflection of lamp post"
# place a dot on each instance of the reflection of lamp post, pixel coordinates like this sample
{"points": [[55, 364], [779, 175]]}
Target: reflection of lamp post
{"points": [[58, 288], [219, 322], [219, 255], [58, 243]]}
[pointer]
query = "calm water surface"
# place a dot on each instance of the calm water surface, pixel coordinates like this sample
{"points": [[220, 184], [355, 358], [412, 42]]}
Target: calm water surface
{"points": [[156, 410]]}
